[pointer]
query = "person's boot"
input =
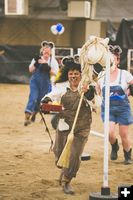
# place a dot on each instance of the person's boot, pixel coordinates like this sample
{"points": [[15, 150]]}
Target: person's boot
{"points": [[114, 151], [127, 156], [27, 119], [33, 117], [66, 185], [67, 188]]}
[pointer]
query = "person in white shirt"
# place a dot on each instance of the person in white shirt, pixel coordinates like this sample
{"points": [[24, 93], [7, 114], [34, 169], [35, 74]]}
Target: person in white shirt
{"points": [[120, 110], [68, 96], [42, 67]]}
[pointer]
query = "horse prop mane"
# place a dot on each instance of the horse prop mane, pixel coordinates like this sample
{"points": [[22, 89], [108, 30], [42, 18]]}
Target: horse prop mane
{"points": [[93, 51]]}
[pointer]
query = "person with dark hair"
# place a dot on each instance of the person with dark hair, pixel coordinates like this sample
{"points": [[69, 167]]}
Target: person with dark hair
{"points": [[69, 98], [62, 82], [120, 110], [42, 67]]}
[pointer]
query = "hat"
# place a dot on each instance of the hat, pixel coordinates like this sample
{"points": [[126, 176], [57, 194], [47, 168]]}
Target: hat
{"points": [[47, 44], [68, 64], [116, 49], [67, 60], [76, 58]]}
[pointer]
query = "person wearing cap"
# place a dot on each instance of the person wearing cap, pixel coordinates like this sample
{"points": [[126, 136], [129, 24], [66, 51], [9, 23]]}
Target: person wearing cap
{"points": [[120, 110], [69, 97], [61, 83], [42, 67]]}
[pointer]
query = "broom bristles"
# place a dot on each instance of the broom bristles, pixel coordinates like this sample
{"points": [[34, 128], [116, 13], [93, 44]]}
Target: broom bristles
{"points": [[65, 156]]}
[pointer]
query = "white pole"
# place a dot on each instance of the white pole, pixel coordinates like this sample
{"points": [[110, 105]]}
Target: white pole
{"points": [[106, 120]]}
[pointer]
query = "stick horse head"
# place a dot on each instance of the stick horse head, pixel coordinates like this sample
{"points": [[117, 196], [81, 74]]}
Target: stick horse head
{"points": [[93, 51]]}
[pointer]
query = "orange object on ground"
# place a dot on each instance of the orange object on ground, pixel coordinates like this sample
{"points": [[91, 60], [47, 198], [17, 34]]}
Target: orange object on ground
{"points": [[51, 107]]}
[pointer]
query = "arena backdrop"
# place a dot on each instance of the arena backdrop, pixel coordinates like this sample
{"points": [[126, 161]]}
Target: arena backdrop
{"points": [[14, 60]]}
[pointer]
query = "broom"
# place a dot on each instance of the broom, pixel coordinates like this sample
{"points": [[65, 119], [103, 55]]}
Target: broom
{"points": [[65, 155]]}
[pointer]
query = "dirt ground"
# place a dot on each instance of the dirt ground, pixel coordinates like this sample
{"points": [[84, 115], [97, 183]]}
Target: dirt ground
{"points": [[27, 169]]}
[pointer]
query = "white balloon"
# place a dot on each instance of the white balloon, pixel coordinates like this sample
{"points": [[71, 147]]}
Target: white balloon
{"points": [[53, 29], [62, 31]]}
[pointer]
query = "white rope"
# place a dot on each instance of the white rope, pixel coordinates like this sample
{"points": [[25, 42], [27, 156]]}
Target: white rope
{"points": [[97, 134], [93, 51]]}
